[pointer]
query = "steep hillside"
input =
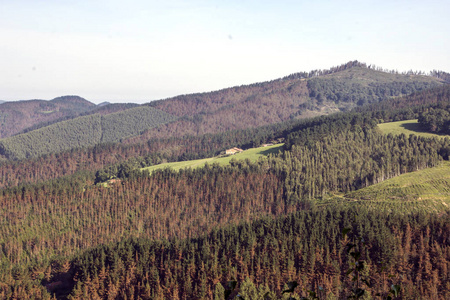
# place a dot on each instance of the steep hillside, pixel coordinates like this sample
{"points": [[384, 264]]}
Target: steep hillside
{"points": [[19, 115], [154, 150], [299, 95], [81, 132], [169, 204], [261, 257]]}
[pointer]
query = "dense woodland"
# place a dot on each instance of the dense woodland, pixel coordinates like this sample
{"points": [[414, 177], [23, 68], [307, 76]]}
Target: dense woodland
{"points": [[297, 96], [186, 234], [305, 246], [86, 131], [332, 89], [19, 115], [99, 109], [155, 150], [185, 204], [436, 120]]}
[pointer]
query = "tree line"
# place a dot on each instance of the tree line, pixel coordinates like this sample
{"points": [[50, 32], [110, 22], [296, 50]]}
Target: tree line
{"points": [[436, 120]]}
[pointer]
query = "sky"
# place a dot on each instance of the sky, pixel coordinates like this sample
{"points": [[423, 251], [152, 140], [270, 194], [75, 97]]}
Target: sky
{"points": [[139, 51]]}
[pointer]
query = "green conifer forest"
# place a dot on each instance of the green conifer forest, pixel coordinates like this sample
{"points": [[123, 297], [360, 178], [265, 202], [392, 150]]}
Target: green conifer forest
{"points": [[343, 211]]}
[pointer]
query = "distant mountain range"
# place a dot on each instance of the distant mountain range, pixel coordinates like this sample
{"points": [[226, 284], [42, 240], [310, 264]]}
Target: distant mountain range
{"points": [[299, 95], [15, 116], [90, 209], [22, 116], [103, 103]]}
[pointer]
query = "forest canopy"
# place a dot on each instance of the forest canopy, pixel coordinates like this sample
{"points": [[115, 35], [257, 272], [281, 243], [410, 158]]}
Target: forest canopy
{"points": [[331, 212]]}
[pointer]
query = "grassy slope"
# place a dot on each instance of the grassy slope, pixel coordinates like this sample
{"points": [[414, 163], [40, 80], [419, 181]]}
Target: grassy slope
{"points": [[252, 154], [427, 189], [407, 127]]}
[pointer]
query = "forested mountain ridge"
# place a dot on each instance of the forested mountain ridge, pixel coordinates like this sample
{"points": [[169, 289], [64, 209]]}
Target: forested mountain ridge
{"points": [[85, 131], [19, 115], [299, 95], [23, 116], [184, 235], [99, 109], [139, 153], [353, 75], [296, 96]]}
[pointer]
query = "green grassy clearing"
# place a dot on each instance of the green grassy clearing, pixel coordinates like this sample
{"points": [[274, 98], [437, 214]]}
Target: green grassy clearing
{"points": [[252, 154], [427, 189], [407, 127]]}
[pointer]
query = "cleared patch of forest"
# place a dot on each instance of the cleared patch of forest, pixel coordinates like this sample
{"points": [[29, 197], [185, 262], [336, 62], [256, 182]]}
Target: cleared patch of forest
{"points": [[251, 154], [426, 190], [407, 127]]}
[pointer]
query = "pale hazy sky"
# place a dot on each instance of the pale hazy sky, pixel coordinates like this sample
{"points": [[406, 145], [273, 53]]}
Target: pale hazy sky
{"points": [[138, 51]]}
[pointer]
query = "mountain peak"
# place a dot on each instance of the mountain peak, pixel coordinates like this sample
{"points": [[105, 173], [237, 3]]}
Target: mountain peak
{"points": [[72, 99], [104, 103]]}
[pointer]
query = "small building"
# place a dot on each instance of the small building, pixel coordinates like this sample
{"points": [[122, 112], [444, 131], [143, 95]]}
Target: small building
{"points": [[233, 150]]}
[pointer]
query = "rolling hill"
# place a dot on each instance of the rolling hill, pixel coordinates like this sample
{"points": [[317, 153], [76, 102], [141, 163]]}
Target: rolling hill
{"points": [[258, 223], [300, 95], [81, 132], [18, 115], [99, 109], [297, 96], [407, 127]]}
